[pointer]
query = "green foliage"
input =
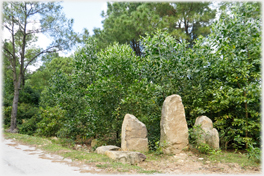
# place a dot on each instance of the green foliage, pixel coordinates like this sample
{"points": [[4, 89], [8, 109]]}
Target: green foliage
{"points": [[29, 95], [19, 49], [125, 22], [67, 92], [115, 73], [254, 153], [29, 126], [6, 116], [51, 120], [25, 112], [197, 140], [40, 78], [65, 142], [187, 21], [234, 92]]}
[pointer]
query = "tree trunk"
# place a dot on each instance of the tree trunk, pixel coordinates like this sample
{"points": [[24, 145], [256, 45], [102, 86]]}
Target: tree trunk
{"points": [[136, 47], [15, 104], [246, 109]]}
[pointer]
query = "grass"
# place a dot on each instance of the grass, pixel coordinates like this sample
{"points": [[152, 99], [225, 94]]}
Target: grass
{"points": [[26, 139], [152, 156], [57, 147], [232, 157]]}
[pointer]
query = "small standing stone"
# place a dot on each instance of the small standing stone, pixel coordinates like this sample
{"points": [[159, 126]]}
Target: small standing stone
{"points": [[173, 126], [134, 135], [209, 135]]}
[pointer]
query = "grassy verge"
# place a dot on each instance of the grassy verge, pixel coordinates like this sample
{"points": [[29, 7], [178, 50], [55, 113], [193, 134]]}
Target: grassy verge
{"points": [[232, 157], [52, 146]]}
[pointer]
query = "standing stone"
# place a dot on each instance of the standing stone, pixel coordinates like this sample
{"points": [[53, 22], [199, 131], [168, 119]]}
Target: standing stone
{"points": [[134, 135], [173, 126], [208, 135]]}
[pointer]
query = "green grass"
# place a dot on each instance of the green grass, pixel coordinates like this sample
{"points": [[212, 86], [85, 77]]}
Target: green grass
{"points": [[30, 140], [231, 157], [57, 146], [152, 156]]}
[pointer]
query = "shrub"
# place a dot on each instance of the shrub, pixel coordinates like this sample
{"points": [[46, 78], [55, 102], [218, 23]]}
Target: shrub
{"points": [[51, 121], [29, 126], [254, 153], [25, 111], [196, 139]]}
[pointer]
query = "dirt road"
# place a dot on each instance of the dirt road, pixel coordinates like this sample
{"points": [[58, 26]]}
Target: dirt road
{"points": [[24, 160]]}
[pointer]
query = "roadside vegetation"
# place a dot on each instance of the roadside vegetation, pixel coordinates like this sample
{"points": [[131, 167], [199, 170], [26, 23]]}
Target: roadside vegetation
{"points": [[214, 65]]}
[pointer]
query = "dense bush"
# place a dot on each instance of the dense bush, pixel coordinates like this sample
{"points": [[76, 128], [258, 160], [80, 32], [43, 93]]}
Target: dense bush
{"points": [[52, 119], [254, 153], [27, 107], [29, 126]]}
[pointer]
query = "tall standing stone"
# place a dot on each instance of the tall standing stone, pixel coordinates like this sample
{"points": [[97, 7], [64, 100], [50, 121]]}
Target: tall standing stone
{"points": [[209, 135], [134, 134], [173, 126]]}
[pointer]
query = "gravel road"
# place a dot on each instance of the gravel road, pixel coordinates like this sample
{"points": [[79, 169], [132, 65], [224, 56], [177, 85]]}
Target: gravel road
{"points": [[24, 160]]}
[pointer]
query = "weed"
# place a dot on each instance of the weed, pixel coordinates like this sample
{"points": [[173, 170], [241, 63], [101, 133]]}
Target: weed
{"points": [[254, 153], [158, 148], [197, 138], [228, 157]]}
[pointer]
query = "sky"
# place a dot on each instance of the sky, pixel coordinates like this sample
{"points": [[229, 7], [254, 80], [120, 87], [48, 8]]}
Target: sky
{"points": [[86, 14]]}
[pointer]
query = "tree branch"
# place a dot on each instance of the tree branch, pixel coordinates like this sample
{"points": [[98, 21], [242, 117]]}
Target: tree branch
{"points": [[42, 52], [36, 11], [9, 52], [10, 30]]}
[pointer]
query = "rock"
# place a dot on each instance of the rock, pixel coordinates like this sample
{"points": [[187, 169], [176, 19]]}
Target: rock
{"points": [[134, 135], [126, 156], [208, 135], [173, 126], [77, 147], [54, 138], [103, 149]]}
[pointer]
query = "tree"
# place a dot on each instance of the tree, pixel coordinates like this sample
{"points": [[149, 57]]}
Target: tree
{"points": [[125, 22], [39, 79], [187, 20], [23, 21], [236, 40]]}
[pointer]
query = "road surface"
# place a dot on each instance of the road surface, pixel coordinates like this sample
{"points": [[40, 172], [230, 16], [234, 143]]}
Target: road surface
{"points": [[24, 160]]}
